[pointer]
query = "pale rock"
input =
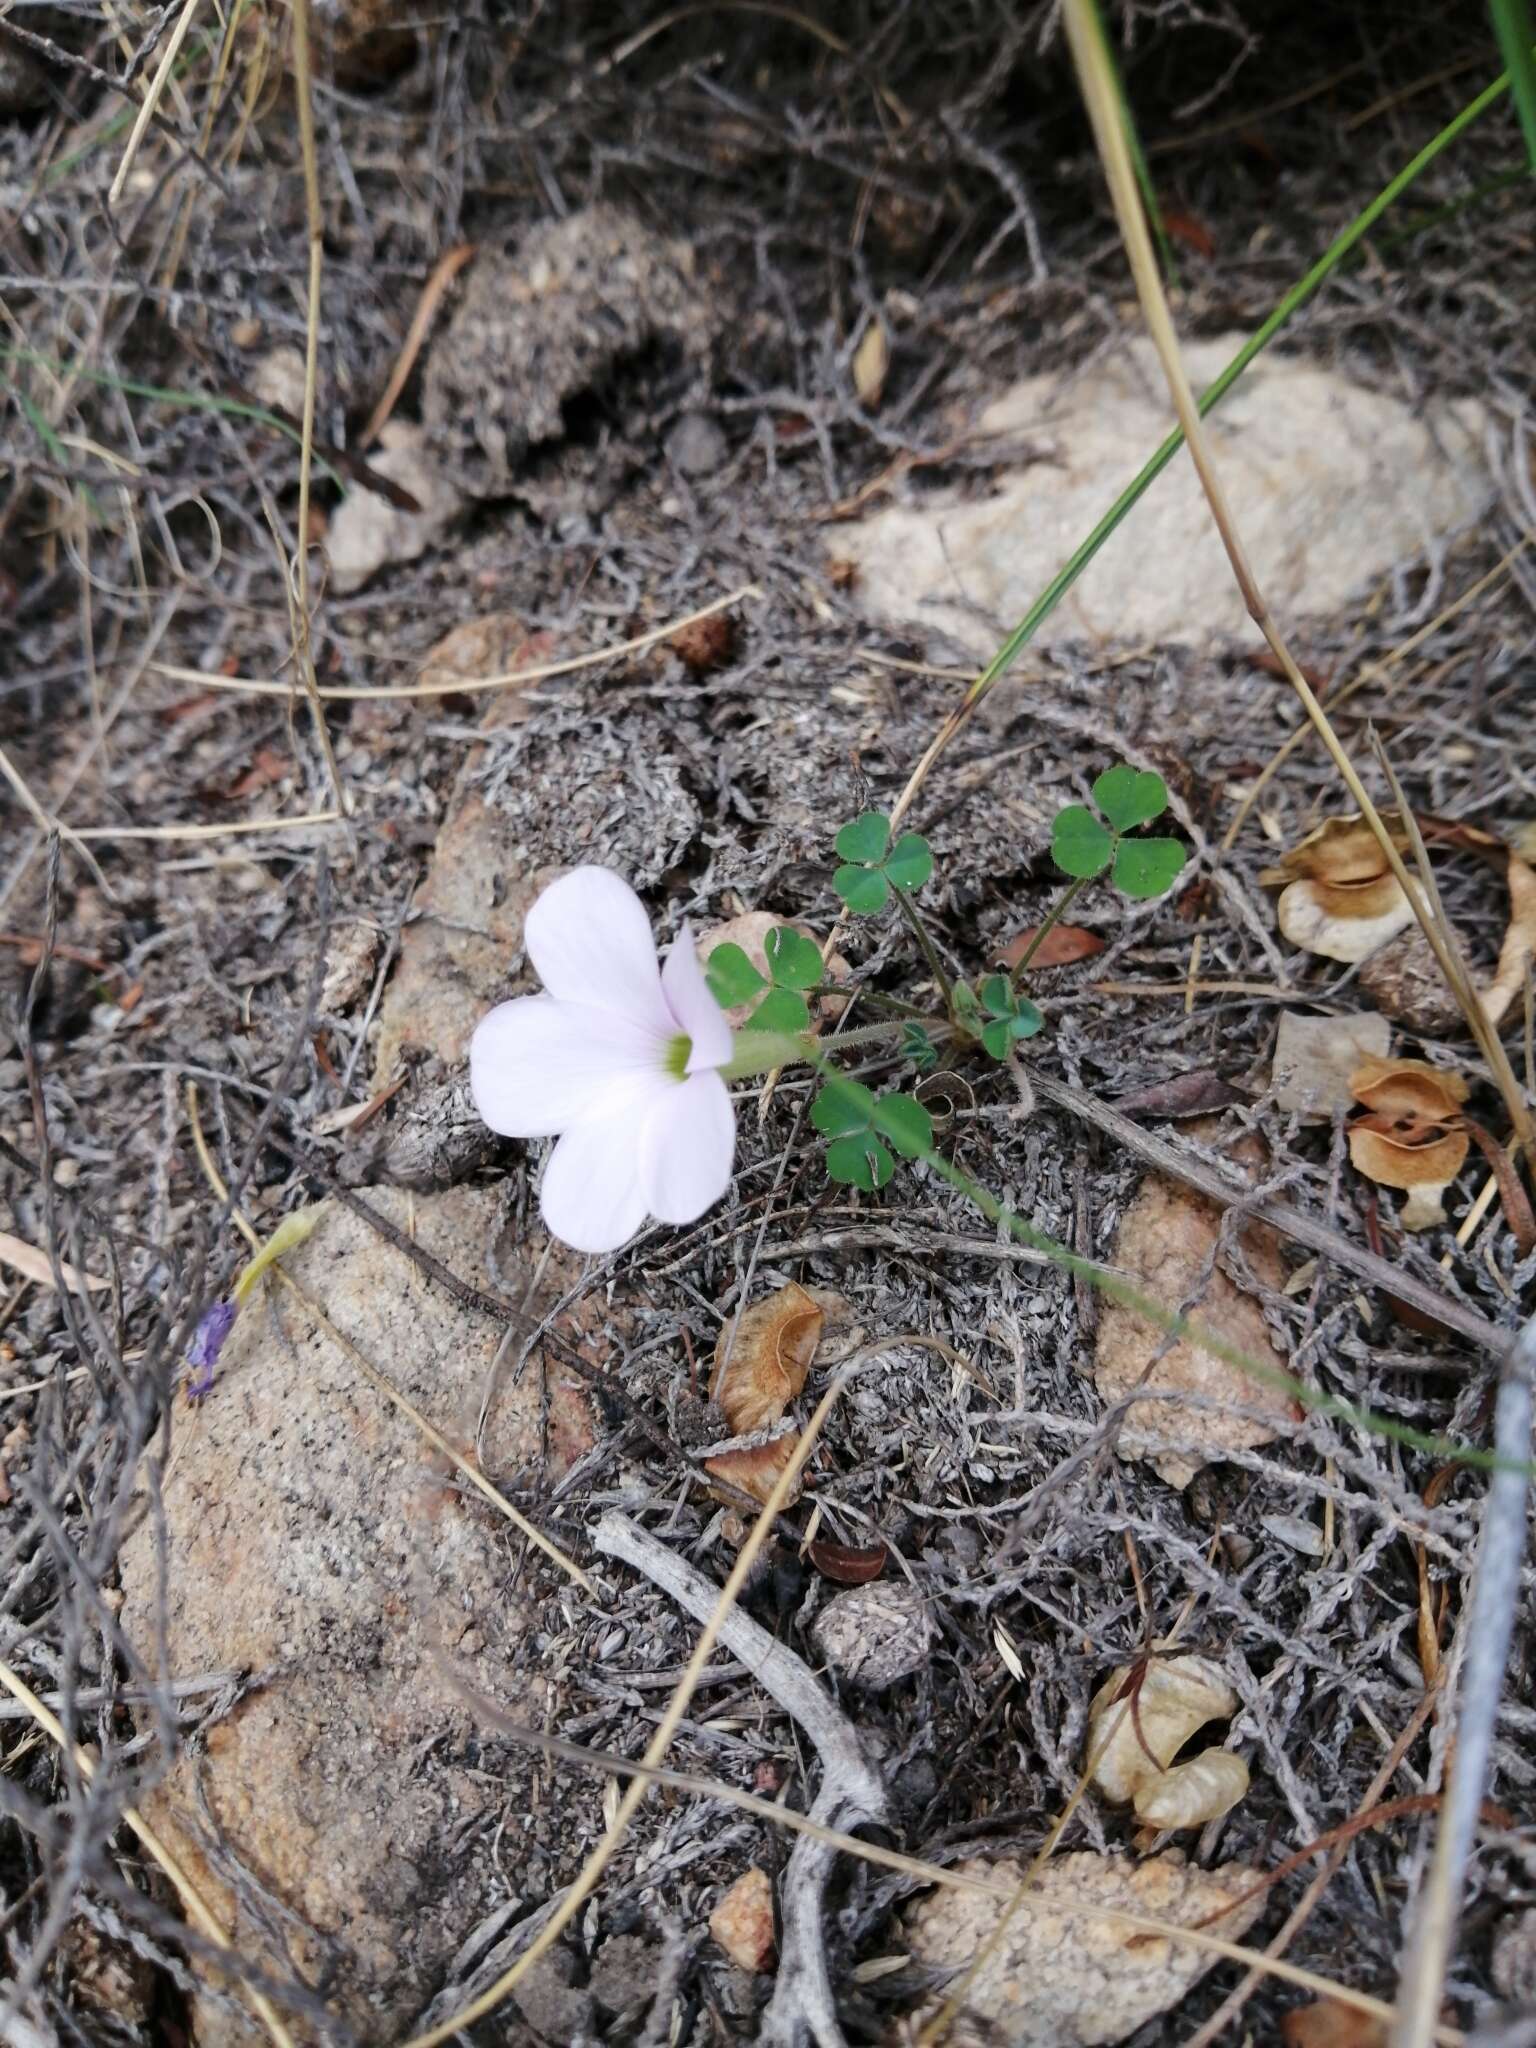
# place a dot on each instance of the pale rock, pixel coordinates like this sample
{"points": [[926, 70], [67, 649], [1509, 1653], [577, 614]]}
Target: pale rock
{"points": [[314, 1539], [1315, 1056], [466, 928], [874, 1635], [367, 533], [1061, 1978], [1332, 485], [277, 380]]}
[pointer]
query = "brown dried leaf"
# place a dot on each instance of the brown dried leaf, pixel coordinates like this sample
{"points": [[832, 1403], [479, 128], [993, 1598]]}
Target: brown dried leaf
{"points": [[1062, 944], [845, 1565], [1340, 852], [1400, 1153], [1408, 1088], [1516, 1203], [756, 1469], [1196, 1094], [763, 1356], [1165, 1244], [1310, 916], [1315, 1057]]}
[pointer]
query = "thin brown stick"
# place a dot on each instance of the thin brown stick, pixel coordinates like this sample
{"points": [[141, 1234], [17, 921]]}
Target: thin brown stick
{"points": [[517, 678], [444, 271]]}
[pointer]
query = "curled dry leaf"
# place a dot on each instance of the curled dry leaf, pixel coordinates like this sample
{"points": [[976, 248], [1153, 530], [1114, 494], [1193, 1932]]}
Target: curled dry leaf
{"points": [[845, 1565], [1065, 1978], [871, 361], [1191, 1794], [1339, 897], [1142, 1716], [755, 1469], [1413, 1135], [1519, 947], [763, 1356], [1166, 1243]]}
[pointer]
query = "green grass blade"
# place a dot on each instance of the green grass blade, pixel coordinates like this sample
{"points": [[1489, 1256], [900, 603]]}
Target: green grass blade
{"points": [[1299, 293], [1512, 26], [164, 394]]}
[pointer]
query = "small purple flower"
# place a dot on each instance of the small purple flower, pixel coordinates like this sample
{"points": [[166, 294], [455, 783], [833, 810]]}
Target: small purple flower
{"points": [[214, 1325]]}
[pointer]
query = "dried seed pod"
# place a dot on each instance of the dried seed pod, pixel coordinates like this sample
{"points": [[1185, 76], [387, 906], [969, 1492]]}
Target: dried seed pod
{"points": [[1136, 1729], [763, 1356], [1190, 1794]]}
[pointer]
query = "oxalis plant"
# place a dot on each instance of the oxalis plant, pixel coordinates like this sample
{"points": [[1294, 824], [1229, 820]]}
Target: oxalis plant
{"points": [[626, 1060]]}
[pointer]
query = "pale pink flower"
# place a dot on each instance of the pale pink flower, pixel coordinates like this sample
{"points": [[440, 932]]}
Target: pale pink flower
{"points": [[620, 1057]]}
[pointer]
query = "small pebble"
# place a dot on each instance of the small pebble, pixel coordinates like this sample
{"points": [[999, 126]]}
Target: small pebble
{"points": [[696, 446], [873, 1635]]}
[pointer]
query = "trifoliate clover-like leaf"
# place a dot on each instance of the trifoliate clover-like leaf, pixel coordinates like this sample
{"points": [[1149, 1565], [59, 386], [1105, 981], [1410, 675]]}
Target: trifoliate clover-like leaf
{"points": [[860, 1161], [864, 838], [841, 1107], [1129, 797], [910, 861], [731, 976], [918, 1048], [997, 997], [966, 1006], [782, 1009], [903, 1120], [793, 961], [1080, 846], [1148, 867], [997, 1037], [863, 890]]}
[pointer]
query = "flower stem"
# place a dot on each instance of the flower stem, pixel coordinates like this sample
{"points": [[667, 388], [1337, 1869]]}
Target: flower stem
{"points": [[920, 932], [1053, 916]]}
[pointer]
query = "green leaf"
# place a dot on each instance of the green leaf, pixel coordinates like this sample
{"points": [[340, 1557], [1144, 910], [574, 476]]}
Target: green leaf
{"points": [[997, 996], [1148, 867], [1512, 24], [1025, 1021], [864, 838], [910, 861], [863, 890], [1128, 798], [841, 1107], [965, 1000], [906, 1123], [731, 976], [998, 1037], [782, 1009], [793, 961], [860, 1162], [1079, 844], [918, 1047]]}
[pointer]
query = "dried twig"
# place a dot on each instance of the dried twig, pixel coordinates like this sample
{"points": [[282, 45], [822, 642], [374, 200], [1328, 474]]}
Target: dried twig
{"points": [[851, 1794], [1489, 1624]]}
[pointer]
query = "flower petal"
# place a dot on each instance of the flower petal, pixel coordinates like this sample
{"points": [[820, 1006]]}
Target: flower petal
{"points": [[592, 1195], [590, 939], [686, 1147], [536, 1065], [695, 1009]]}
